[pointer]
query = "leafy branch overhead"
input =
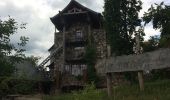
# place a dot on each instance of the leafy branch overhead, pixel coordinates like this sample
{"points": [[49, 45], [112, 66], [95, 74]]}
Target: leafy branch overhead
{"points": [[9, 52], [159, 15]]}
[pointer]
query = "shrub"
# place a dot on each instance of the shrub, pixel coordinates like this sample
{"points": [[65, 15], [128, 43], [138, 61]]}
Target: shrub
{"points": [[10, 85], [89, 93]]}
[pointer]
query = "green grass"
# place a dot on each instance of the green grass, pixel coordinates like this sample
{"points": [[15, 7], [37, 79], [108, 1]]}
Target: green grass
{"points": [[159, 90], [59, 97]]}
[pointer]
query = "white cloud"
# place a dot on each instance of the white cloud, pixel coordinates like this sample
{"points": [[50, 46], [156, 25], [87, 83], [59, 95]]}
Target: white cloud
{"points": [[147, 5], [150, 31], [39, 28]]}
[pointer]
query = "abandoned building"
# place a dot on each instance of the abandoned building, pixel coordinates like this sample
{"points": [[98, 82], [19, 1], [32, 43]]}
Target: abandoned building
{"points": [[76, 26]]}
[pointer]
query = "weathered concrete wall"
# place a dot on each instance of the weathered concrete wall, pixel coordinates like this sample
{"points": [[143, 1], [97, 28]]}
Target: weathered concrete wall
{"points": [[158, 59]]}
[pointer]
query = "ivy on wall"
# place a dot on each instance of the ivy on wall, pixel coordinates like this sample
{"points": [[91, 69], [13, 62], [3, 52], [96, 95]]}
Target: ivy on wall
{"points": [[91, 57]]}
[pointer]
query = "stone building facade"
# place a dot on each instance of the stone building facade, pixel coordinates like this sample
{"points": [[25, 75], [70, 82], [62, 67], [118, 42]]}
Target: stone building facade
{"points": [[77, 27]]}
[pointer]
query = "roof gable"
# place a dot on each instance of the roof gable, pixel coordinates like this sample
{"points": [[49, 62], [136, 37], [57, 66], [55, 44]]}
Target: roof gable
{"points": [[74, 5], [75, 11]]}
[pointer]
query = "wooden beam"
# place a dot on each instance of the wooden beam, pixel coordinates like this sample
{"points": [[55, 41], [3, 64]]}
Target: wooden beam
{"points": [[83, 12], [64, 35], [109, 84], [109, 75], [89, 30], [141, 81]]}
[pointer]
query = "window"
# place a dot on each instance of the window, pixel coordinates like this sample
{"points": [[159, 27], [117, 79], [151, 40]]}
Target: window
{"points": [[79, 35], [76, 70]]}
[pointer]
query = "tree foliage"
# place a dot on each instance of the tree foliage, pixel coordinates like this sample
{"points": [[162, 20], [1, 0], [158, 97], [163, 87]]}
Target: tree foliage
{"points": [[9, 85], [152, 44], [121, 20], [91, 58], [33, 59], [159, 15], [9, 53]]}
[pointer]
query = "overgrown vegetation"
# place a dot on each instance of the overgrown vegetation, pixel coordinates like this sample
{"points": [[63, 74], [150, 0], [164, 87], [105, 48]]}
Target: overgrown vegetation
{"points": [[10, 55], [152, 44], [10, 85], [120, 21], [91, 58], [89, 93], [155, 90]]}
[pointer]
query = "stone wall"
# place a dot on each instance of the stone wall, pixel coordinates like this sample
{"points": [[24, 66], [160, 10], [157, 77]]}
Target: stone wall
{"points": [[158, 59], [99, 38], [100, 41]]}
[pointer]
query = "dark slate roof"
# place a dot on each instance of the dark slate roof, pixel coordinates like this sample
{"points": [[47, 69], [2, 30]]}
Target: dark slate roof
{"points": [[57, 21]]}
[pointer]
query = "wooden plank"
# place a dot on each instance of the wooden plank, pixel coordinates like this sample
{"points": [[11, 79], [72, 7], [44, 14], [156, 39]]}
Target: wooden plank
{"points": [[141, 80], [109, 84], [158, 59]]}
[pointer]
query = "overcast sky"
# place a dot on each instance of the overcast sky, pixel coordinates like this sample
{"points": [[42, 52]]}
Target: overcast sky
{"points": [[37, 13]]}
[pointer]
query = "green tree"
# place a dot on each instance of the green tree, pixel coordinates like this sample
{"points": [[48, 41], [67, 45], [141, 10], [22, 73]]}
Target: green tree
{"points": [[33, 59], [9, 53], [152, 44], [121, 20], [159, 15]]}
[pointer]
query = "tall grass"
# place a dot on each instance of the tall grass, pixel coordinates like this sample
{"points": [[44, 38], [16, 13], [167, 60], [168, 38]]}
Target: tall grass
{"points": [[158, 90]]}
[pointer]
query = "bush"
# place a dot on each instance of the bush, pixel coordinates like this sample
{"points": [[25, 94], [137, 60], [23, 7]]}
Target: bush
{"points": [[89, 93], [10, 85], [23, 87], [4, 88], [160, 74]]}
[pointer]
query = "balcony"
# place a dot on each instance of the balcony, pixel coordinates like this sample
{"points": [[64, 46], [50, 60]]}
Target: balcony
{"points": [[75, 40], [76, 53]]}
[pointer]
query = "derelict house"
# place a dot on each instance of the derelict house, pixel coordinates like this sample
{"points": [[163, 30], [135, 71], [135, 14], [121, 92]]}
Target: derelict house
{"points": [[77, 26]]}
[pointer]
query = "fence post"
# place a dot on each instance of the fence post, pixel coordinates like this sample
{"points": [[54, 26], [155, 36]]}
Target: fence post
{"points": [[109, 84], [138, 51], [141, 82]]}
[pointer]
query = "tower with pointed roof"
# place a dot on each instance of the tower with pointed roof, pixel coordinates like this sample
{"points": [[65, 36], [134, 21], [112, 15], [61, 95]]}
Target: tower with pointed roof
{"points": [[76, 25]]}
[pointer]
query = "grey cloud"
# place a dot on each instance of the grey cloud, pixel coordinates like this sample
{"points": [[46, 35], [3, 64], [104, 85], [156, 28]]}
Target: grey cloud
{"points": [[39, 30], [14, 11], [57, 4], [60, 4]]}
